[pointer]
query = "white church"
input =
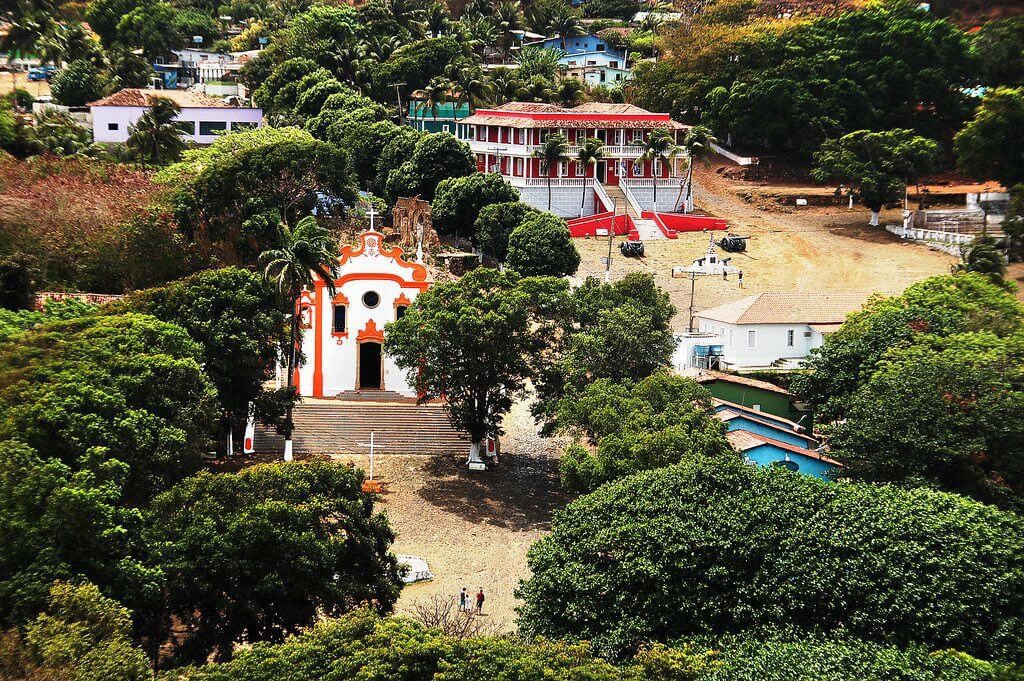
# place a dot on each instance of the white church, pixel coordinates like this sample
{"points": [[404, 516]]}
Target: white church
{"points": [[343, 334]]}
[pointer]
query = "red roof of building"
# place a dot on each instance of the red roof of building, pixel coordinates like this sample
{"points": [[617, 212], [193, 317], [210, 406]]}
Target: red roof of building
{"points": [[185, 99], [594, 114]]}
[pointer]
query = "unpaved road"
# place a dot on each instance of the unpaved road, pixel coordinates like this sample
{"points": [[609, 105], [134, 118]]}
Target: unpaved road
{"points": [[807, 249]]}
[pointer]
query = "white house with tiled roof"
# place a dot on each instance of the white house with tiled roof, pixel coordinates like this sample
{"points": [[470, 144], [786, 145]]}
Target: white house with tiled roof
{"points": [[772, 330], [203, 117]]}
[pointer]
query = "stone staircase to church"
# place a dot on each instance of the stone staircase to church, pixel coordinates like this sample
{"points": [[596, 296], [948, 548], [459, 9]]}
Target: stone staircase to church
{"points": [[336, 426]]}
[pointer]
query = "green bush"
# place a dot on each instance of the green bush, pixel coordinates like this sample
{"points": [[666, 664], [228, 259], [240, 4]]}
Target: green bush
{"points": [[713, 546], [542, 246]]}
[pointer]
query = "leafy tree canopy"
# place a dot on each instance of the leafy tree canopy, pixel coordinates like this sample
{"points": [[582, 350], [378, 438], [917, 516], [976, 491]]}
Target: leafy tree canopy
{"points": [[793, 85], [935, 307], [495, 223], [879, 165], [234, 205], [126, 389], [436, 157], [459, 200], [237, 319], [542, 246], [473, 340], [942, 412], [991, 145], [636, 426], [999, 48], [78, 84], [261, 553], [712, 546]]}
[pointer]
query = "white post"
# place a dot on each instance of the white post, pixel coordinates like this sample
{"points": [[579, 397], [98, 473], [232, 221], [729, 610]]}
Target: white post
{"points": [[231, 439], [372, 444], [288, 450]]}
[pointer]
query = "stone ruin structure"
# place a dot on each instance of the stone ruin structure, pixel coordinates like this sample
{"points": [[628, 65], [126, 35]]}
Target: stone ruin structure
{"points": [[412, 220]]}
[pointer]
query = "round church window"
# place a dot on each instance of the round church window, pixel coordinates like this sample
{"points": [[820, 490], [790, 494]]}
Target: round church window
{"points": [[371, 299]]}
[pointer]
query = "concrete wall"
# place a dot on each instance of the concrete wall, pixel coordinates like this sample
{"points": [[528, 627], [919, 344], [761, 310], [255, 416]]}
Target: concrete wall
{"points": [[565, 201], [669, 198]]}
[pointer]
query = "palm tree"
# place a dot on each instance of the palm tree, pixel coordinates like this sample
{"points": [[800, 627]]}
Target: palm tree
{"points": [[537, 89], [505, 85], [565, 23], [591, 151], [433, 96], [551, 154], [306, 253], [659, 148], [438, 20], [982, 256], [697, 145], [156, 136], [472, 87]]}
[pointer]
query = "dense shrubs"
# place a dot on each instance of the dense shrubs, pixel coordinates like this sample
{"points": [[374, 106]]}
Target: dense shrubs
{"points": [[710, 546]]}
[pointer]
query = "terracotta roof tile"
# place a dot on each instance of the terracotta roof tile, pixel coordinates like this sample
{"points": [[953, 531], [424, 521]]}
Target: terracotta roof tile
{"points": [[186, 99], [789, 307]]}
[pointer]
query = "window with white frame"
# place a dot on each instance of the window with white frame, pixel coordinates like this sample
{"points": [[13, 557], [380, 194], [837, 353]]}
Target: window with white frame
{"points": [[657, 168], [518, 170], [730, 337], [638, 135], [751, 338], [579, 169], [790, 338], [638, 169], [563, 169], [520, 136]]}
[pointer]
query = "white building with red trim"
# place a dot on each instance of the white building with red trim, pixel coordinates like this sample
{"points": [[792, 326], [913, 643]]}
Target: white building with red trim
{"points": [[505, 139], [343, 334]]}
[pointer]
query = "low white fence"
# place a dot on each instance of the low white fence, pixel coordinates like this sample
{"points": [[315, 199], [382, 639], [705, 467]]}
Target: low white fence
{"points": [[734, 157]]}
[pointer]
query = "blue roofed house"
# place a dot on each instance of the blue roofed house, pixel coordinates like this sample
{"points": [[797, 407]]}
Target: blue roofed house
{"points": [[768, 440]]}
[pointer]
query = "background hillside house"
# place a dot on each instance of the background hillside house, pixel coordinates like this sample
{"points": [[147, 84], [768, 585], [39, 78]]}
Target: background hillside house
{"points": [[204, 117], [773, 331]]}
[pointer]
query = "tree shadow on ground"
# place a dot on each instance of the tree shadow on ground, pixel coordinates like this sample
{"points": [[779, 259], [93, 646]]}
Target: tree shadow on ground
{"points": [[520, 493]]}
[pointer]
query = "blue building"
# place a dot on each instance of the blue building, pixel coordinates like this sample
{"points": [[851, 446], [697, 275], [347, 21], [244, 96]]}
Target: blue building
{"points": [[423, 118], [769, 440], [578, 44]]}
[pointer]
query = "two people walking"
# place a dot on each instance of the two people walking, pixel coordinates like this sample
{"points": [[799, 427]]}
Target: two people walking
{"points": [[464, 601]]}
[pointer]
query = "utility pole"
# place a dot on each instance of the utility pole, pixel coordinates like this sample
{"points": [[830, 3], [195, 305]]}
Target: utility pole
{"points": [[693, 288], [611, 235], [398, 95], [497, 158]]}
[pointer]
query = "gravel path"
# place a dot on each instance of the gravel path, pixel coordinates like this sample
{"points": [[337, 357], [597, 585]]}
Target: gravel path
{"points": [[474, 528]]}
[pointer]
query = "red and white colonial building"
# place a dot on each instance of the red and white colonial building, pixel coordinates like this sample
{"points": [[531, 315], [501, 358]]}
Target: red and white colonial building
{"points": [[343, 334], [505, 139]]}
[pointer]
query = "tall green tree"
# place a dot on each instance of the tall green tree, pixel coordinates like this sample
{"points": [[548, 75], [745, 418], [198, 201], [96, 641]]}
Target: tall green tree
{"points": [[236, 317], [639, 426], [495, 224], [590, 152], [87, 634], [156, 138], [435, 158], [260, 554], [697, 145], [542, 246], [941, 413], [307, 254], [991, 145], [936, 307], [659, 149], [713, 546], [552, 153], [459, 200], [78, 84], [472, 340], [877, 165]]}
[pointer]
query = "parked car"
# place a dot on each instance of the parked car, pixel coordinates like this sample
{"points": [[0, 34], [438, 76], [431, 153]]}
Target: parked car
{"points": [[42, 73]]}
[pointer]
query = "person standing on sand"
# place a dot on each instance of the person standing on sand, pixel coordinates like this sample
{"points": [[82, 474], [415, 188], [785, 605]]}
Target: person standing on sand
{"points": [[480, 601], [463, 600]]}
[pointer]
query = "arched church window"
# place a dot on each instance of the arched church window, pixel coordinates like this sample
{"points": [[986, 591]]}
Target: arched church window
{"points": [[400, 311], [340, 314]]}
